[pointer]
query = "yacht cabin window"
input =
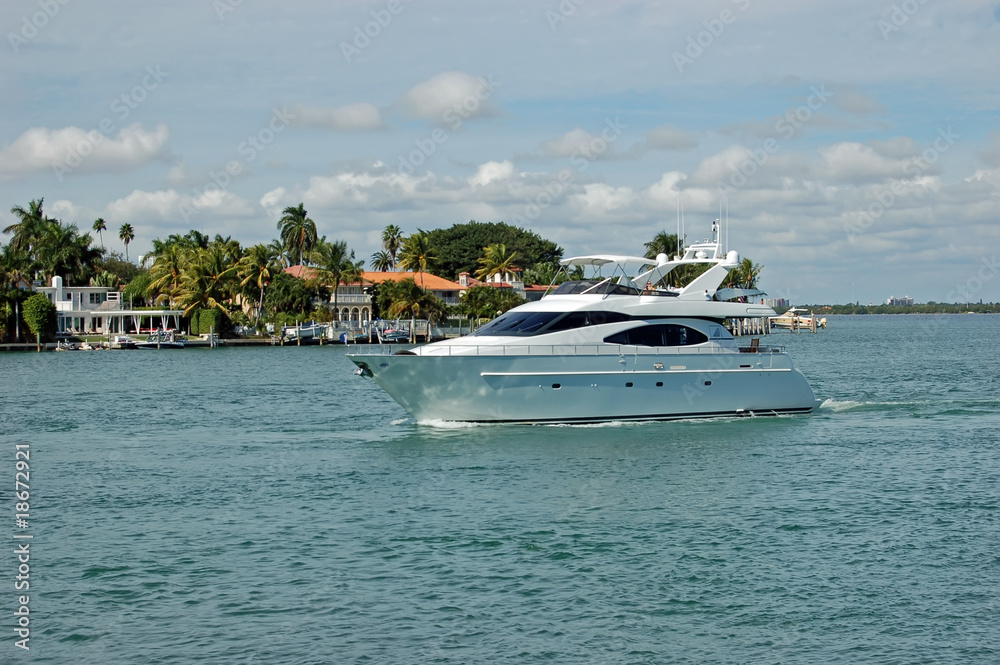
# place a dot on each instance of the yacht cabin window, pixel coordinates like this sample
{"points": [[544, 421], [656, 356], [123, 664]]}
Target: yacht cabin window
{"points": [[661, 334]]}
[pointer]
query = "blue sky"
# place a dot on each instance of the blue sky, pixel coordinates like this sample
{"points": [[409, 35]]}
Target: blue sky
{"points": [[856, 144]]}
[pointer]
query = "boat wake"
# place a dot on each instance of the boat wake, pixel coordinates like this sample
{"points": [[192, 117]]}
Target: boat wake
{"points": [[840, 406]]}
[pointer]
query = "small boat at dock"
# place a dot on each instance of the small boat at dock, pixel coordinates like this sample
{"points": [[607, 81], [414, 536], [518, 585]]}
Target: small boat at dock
{"points": [[161, 339]]}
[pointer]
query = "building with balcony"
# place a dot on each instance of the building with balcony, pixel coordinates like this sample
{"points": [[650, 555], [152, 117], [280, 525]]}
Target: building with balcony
{"points": [[905, 301], [99, 310]]}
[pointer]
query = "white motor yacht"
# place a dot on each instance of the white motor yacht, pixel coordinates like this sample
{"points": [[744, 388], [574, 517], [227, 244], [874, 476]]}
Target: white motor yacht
{"points": [[602, 349]]}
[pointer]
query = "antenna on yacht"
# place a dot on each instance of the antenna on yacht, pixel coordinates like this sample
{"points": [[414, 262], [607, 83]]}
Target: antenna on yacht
{"points": [[683, 236], [726, 247], [678, 236]]}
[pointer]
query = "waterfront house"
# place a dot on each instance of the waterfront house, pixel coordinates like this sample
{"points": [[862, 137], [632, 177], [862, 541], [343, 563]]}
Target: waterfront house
{"points": [[99, 310], [354, 300]]}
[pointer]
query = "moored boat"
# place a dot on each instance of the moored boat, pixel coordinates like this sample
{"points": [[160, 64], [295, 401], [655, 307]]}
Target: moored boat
{"points": [[161, 339]]}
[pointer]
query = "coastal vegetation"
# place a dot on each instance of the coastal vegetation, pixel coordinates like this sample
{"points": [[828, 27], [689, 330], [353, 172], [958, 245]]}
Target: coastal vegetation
{"points": [[217, 282]]}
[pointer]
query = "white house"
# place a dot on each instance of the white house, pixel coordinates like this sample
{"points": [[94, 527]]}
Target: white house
{"points": [[98, 310]]}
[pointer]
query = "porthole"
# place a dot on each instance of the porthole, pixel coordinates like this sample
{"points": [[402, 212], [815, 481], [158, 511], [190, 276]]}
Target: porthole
{"points": [[708, 383], [556, 386], [628, 385], [659, 384]]}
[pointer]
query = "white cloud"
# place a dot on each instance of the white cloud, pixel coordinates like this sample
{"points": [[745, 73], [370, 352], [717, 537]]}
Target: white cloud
{"points": [[857, 163], [492, 172], [171, 206], [450, 97], [73, 150], [351, 118]]}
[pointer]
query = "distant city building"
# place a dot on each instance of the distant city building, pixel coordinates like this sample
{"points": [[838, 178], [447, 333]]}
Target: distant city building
{"points": [[905, 300], [776, 302]]}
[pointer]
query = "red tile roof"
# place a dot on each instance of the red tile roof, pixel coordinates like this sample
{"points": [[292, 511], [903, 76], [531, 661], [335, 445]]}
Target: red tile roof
{"points": [[432, 282]]}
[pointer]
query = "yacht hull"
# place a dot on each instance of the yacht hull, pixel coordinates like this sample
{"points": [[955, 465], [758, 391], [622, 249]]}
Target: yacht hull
{"points": [[602, 387]]}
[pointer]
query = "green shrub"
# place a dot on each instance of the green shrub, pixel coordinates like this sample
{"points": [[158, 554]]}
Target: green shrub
{"points": [[40, 316]]}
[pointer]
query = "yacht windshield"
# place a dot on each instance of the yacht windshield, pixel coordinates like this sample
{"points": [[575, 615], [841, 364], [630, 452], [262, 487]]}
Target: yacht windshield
{"points": [[517, 323], [522, 324]]}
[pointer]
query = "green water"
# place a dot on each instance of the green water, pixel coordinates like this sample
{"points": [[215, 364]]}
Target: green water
{"points": [[265, 505]]}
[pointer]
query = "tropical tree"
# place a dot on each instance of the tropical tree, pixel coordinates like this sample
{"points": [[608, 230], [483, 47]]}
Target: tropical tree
{"points": [[382, 261], [257, 269], [288, 293], [666, 243], [61, 250], [486, 302], [543, 274], [104, 278], [100, 225], [335, 265], [29, 227], [461, 245], [127, 235], [14, 271], [406, 299], [495, 261], [662, 243], [744, 276], [418, 254], [297, 230], [40, 315], [165, 274], [392, 241], [206, 282]]}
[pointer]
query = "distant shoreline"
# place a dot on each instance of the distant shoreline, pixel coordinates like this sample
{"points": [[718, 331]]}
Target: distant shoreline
{"points": [[853, 310]]}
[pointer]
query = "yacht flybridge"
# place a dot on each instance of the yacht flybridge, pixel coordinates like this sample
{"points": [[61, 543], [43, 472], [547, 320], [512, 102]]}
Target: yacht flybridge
{"points": [[622, 347]]}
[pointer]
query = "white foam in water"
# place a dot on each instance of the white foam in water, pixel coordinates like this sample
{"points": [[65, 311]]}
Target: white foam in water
{"points": [[838, 406], [449, 424]]}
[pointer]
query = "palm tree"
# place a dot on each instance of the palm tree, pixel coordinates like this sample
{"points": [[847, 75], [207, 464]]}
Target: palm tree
{"points": [[495, 261], [392, 240], [418, 254], [297, 230], [61, 250], [257, 268], [406, 298], [28, 227], [662, 243], [165, 274], [127, 235], [335, 265], [382, 261], [744, 276], [100, 225], [205, 282]]}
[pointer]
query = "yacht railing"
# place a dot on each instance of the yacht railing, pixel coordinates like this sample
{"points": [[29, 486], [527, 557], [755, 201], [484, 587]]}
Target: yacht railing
{"points": [[564, 350]]}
